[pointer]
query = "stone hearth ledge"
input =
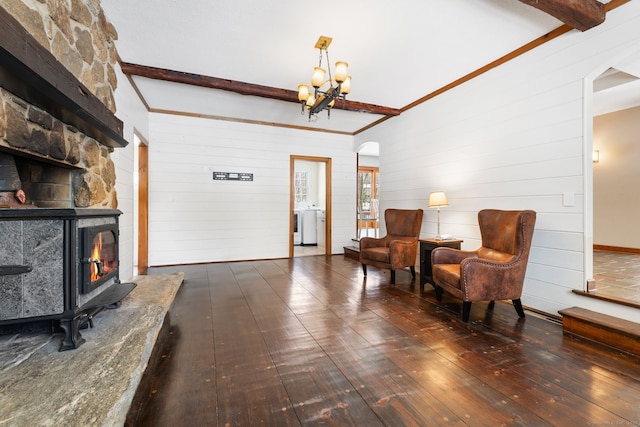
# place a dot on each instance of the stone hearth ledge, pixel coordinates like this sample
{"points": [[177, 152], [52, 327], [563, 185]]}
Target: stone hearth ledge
{"points": [[94, 384]]}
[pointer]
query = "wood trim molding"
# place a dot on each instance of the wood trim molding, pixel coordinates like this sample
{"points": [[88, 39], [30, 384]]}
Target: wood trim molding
{"points": [[255, 122], [490, 66], [143, 208], [616, 249]]}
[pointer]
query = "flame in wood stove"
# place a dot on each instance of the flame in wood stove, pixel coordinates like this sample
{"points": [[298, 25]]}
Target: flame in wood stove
{"points": [[96, 253], [102, 256]]}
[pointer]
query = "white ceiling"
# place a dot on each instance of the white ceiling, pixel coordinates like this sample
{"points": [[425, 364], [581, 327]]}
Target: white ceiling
{"points": [[397, 52]]}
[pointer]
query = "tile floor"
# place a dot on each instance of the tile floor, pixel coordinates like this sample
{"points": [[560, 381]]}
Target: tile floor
{"points": [[308, 250], [617, 274]]}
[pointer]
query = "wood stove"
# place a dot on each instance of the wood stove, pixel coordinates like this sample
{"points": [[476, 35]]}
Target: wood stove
{"points": [[49, 271], [59, 265]]}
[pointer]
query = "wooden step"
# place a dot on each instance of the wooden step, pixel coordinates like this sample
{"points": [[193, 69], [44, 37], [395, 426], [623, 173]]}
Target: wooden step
{"points": [[617, 333], [352, 252]]}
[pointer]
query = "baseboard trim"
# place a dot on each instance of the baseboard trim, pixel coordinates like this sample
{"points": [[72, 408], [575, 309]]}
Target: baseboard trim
{"points": [[618, 333], [616, 249]]}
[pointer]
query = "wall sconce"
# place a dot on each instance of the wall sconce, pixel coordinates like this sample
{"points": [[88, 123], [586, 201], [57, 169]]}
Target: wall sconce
{"points": [[596, 156]]}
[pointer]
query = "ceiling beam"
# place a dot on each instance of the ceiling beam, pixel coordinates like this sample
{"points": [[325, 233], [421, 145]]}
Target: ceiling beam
{"points": [[243, 88], [579, 14]]}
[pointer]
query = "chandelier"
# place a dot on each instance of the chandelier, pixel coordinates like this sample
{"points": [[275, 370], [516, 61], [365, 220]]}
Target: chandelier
{"points": [[339, 84]]}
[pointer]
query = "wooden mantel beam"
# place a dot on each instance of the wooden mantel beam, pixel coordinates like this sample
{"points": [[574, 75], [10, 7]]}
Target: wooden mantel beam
{"points": [[579, 14], [243, 88], [32, 73]]}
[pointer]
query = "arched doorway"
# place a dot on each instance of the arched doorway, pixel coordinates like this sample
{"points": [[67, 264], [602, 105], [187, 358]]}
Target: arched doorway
{"points": [[611, 153]]}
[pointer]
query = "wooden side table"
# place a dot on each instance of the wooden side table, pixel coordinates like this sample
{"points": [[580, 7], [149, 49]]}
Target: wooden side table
{"points": [[426, 246]]}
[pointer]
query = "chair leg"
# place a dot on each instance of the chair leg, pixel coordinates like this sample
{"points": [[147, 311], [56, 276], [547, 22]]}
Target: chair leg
{"points": [[491, 305], [518, 306], [393, 277], [364, 269], [413, 271], [466, 310], [438, 293]]}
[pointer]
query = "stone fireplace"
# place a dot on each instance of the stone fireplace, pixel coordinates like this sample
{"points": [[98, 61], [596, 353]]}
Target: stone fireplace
{"points": [[58, 126], [56, 100]]}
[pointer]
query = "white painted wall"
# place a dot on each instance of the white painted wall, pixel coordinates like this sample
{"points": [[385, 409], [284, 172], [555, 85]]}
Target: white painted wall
{"points": [[193, 218], [373, 161], [616, 179], [516, 137], [135, 118]]}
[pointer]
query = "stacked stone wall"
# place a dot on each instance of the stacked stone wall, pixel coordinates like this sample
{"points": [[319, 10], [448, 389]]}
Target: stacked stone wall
{"points": [[78, 34]]}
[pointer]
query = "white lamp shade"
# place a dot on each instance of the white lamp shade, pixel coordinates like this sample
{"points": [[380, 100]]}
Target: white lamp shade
{"points": [[303, 92], [318, 77], [437, 198], [341, 71], [345, 87]]}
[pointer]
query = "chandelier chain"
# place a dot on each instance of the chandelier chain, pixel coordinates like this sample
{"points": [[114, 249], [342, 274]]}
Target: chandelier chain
{"points": [[328, 68]]}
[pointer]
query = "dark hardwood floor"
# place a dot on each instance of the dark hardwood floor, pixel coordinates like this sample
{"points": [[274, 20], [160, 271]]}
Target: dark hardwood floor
{"points": [[309, 341]]}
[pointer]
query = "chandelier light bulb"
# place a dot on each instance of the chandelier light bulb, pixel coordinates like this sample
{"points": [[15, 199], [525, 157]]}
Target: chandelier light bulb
{"points": [[303, 93], [345, 87], [341, 71], [318, 77], [311, 101]]}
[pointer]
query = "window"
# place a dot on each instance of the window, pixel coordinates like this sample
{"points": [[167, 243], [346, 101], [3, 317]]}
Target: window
{"points": [[301, 187], [367, 187]]}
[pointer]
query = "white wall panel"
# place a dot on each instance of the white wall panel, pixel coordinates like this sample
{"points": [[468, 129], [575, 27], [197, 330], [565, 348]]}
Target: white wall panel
{"points": [[193, 218], [512, 138], [135, 118]]}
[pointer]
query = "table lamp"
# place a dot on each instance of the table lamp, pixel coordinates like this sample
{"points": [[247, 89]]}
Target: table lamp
{"points": [[437, 199]]}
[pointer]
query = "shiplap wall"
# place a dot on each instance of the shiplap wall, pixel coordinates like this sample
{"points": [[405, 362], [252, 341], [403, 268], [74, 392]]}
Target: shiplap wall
{"points": [[513, 138], [193, 218], [135, 118]]}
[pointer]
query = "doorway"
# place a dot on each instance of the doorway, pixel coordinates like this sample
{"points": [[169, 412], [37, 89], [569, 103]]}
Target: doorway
{"points": [[613, 153], [309, 206]]}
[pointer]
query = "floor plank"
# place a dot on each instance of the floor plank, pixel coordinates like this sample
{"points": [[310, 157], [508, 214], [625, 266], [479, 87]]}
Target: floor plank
{"points": [[310, 340]]}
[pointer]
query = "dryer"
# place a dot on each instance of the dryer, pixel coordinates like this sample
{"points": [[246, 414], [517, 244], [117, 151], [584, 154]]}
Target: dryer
{"points": [[309, 227]]}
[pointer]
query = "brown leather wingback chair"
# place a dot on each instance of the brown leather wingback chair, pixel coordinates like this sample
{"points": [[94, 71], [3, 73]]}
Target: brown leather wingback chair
{"points": [[496, 270], [399, 247]]}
